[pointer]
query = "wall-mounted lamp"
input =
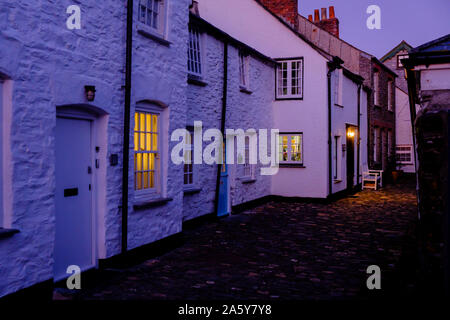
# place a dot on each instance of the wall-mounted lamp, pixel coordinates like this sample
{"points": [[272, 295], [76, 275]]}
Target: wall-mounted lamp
{"points": [[90, 92], [350, 133]]}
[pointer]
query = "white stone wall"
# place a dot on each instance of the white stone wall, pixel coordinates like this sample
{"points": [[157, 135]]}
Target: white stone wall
{"points": [[159, 74], [244, 111], [49, 66]]}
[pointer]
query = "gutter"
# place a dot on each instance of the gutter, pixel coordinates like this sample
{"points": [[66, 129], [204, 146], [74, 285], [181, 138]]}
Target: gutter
{"points": [[332, 65], [126, 126], [222, 119]]}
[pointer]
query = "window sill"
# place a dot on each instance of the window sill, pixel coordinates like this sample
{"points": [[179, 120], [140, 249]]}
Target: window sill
{"points": [[248, 180], [7, 233], [280, 99], [291, 165], [191, 190], [151, 203], [338, 105], [245, 90], [196, 80], [337, 181], [144, 31]]}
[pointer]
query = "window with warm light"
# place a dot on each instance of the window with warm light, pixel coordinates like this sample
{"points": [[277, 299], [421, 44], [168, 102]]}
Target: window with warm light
{"points": [[291, 148], [146, 151], [289, 79]]}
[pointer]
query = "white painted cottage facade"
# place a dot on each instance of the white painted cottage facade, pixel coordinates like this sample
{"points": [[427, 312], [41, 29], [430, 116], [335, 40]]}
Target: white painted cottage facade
{"points": [[61, 154], [304, 115]]}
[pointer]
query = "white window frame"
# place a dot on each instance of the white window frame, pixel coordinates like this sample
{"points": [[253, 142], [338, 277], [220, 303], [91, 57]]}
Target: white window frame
{"points": [[161, 25], [390, 92], [389, 142], [289, 148], [375, 144], [195, 65], [338, 87], [158, 172], [244, 70], [189, 159], [282, 63], [376, 88], [402, 152], [399, 62], [337, 158], [248, 170]]}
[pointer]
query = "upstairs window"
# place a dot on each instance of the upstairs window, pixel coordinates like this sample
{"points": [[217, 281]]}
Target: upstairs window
{"points": [[291, 148], [151, 13], [290, 79], [399, 60], [389, 93], [243, 70], [338, 87], [194, 53], [376, 89]]}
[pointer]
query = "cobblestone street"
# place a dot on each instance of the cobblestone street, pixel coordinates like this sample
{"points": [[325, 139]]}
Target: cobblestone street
{"points": [[282, 250]]}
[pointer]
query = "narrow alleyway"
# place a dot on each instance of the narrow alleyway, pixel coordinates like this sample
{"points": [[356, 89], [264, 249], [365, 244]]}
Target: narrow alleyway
{"points": [[283, 251]]}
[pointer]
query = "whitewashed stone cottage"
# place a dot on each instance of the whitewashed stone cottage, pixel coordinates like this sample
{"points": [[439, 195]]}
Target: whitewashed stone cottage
{"points": [[307, 120], [66, 144]]}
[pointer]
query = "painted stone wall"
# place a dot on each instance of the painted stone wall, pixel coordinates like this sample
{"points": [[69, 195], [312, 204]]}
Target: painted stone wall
{"points": [[244, 111], [48, 66]]}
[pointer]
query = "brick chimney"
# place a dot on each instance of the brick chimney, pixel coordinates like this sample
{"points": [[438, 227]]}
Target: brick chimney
{"points": [[285, 9], [328, 23]]}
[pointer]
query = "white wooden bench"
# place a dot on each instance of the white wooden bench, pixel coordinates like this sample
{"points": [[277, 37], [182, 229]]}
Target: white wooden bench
{"points": [[374, 177]]}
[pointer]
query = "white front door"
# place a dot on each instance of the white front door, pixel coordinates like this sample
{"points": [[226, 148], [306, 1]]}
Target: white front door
{"points": [[73, 239]]}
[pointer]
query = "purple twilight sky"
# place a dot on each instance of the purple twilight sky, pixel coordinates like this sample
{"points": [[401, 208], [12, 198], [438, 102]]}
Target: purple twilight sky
{"points": [[415, 21]]}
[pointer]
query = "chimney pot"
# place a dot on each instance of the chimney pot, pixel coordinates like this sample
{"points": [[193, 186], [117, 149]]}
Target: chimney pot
{"points": [[310, 18], [316, 15], [324, 13], [332, 12]]}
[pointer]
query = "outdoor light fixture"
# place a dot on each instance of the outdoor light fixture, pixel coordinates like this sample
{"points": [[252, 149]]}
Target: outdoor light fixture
{"points": [[90, 92], [350, 133]]}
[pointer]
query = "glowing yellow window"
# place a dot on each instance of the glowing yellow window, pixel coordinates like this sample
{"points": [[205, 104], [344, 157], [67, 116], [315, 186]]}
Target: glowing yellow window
{"points": [[146, 152]]}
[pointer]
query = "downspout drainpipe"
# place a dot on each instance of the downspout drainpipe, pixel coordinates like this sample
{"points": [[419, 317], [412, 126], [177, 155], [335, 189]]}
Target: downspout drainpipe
{"points": [[358, 136], [222, 119], [330, 168], [332, 65], [126, 127]]}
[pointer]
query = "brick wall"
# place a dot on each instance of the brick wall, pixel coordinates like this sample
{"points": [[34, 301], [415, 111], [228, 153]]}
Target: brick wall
{"points": [[378, 115], [286, 9]]}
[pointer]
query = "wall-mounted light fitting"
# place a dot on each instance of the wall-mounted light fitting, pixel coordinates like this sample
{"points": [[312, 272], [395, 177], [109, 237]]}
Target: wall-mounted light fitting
{"points": [[90, 92]]}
